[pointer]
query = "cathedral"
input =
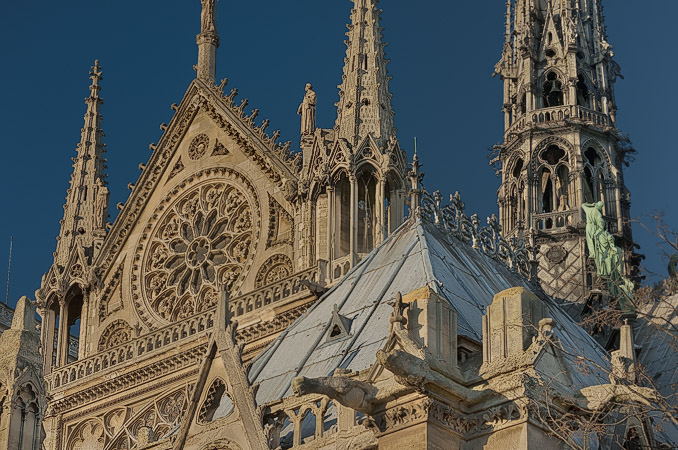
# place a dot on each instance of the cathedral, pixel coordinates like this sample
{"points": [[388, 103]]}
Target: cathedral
{"points": [[255, 295]]}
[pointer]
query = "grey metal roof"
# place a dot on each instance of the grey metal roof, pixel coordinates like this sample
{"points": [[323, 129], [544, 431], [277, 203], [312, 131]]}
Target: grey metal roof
{"points": [[419, 253]]}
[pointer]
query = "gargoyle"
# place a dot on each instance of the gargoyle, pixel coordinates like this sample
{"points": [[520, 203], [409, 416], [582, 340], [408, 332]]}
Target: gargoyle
{"points": [[351, 393]]}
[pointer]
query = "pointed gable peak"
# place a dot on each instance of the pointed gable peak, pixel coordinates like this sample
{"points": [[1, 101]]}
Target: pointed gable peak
{"points": [[364, 105]]}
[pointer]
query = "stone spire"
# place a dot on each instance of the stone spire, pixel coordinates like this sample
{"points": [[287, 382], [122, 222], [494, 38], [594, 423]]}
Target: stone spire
{"points": [[364, 105], [208, 42], [561, 147], [86, 208]]}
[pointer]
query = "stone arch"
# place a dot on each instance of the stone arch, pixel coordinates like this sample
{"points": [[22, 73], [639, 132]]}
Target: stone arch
{"points": [[596, 145], [115, 334], [217, 403], [543, 145], [553, 88], [275, 268]]}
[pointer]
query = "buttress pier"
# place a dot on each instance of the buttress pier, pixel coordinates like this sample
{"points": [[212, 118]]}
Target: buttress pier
{"points": [[561, 145]]}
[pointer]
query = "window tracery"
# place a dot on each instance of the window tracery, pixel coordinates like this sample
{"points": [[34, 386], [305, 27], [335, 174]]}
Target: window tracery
{"points": [[197, 243]]}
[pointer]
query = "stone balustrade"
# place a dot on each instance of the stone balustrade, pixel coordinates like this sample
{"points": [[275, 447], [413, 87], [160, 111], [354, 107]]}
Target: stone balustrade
{"points": [[555, 220], [175, 333], [558, 114]]}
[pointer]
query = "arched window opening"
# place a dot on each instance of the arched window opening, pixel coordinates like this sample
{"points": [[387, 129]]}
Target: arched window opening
{"points": [[583, 96], [547, 192], [523, 104], [553, 154], [517, 168], [562, 189], [28, 408], [553, 91], [342, 212], [367, 223], [307, 426], [588, 186], [592, 156], [600, 189], [513, 206], [389, 195], [74, 303], [550, 38], [633, 441]]}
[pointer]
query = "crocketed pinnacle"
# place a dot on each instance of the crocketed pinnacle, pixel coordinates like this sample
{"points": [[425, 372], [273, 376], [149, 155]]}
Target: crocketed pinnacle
{"points": [[364, 105], [86, 208]]}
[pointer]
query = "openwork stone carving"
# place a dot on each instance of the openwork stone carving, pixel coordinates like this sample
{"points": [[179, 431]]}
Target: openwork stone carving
{"points": [[217, 403], [276, 268], [115, 334], [198, 146], [205, 239], [488, 239]]}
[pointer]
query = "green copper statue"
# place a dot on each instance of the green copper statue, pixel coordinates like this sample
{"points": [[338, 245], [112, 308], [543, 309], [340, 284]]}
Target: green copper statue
{"points": [[607, 256]]}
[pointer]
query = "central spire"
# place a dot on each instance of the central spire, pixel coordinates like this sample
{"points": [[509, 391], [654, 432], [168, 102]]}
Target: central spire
{"points": [[364, 105]]}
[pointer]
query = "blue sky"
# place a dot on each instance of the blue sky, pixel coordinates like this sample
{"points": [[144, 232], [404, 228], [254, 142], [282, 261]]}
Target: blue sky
{"points": [[442, 54]]}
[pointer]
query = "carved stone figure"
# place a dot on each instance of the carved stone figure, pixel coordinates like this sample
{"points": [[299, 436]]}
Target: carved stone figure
{"points": [[207, 17], [307, 110], [350, 393], [101, 205]]}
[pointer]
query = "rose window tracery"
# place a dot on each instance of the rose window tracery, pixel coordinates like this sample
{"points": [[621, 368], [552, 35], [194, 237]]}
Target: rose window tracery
{"points": [[203, 241]]}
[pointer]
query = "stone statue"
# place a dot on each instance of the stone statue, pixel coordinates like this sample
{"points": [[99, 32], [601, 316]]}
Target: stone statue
{"points": [[207, 17], [307, 111], [561, 189], [607, 256], [101, 205]]}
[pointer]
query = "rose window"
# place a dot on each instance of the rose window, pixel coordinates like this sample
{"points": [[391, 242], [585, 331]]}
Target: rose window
{"points": [[202, 242]]}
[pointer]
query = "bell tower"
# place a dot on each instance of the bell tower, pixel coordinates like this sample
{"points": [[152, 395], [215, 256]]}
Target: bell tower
{"points": [[561, 145]]}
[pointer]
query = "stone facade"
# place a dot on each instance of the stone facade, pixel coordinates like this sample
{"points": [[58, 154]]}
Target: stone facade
{"points": [[248, 296]]}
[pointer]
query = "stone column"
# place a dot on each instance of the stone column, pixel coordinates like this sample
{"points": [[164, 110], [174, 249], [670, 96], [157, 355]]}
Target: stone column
{"points": [[379, 226], [331, 220], [47, 338], [62, 341], [83, 339], [353, 243]]}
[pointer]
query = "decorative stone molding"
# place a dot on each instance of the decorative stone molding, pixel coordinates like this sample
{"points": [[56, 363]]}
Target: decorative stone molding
{"points": [[198, 146], [274, 269], [276, 216], [115, 335], [113, 285], [453, 220]]}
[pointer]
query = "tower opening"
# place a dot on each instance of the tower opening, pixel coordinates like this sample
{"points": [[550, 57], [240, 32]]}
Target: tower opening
{"points": [[553, 154], [342, 211], [553, 91], [367, 188], [547, 191], [583, 97]]}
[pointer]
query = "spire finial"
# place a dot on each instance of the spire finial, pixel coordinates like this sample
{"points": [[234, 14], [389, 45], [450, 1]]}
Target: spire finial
{"points": [[208, 42], [415, 177], [364, 106], [95, 75]]}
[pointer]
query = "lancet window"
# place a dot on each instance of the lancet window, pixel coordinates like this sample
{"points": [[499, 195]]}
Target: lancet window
{"points": [[554, 180], [552, 90], [595, 181], [61, 329], [26, 403], [515, 202]]}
